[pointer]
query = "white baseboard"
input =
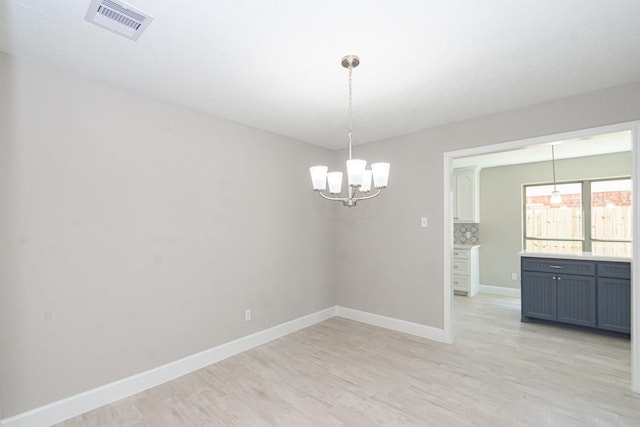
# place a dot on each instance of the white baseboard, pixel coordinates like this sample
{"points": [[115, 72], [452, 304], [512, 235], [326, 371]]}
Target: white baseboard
{"points": [[80, 403], [75, 405], [499, 290], [417, 329]]}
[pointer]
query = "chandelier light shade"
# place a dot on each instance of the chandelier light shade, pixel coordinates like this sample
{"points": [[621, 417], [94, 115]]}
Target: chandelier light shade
{"points": [[335, 182], [355, 171], [380, 174], [367, 176], [359, 178], [556, 198], [319, 177]]}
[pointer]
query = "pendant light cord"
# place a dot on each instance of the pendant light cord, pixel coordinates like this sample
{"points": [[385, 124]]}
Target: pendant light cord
{"points": [[553, 164]]}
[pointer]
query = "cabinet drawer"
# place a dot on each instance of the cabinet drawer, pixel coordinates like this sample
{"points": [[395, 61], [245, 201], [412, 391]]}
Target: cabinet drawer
{"points": [[560, 266], [462, 253], [461, 283], [616, 270], [461, 266]]}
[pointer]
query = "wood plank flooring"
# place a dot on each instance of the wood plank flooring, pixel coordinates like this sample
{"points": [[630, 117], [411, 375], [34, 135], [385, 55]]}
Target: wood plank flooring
{"points": [[499, 372]]}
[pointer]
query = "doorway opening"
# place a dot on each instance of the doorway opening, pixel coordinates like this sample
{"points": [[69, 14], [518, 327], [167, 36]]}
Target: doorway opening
{"points": [[458, 159]]}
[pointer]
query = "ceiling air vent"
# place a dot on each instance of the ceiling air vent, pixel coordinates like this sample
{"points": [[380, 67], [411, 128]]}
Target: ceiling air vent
{"points": [[118, 17]]}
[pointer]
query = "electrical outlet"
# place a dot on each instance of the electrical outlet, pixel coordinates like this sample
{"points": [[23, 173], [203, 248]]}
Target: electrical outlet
{"points": [[514, 276], [247, 315], [468, 234]]}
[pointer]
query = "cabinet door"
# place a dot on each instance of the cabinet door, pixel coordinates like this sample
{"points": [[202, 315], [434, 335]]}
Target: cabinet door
{"points": [[464, 205], [614, 304], [538, 295], [576, 299]]}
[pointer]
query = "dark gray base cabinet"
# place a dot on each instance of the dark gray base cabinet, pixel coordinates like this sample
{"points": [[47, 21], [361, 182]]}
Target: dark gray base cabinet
{"points": [[593, 294]]}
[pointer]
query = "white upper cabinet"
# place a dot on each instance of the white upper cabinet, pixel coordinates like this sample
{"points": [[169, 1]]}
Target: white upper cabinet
{"points": [[465, 198]]}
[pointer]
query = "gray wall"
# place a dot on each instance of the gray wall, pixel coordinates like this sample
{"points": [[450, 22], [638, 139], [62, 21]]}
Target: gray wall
{"points": [[386, 263], [135, 233], [502, 222]]}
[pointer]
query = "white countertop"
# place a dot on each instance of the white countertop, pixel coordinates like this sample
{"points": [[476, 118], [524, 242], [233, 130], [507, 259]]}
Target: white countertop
{"points": [[588, 256], [465, 246]]}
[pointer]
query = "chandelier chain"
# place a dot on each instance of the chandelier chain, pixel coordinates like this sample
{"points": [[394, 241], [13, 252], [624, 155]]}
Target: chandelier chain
{"points": [[350, 111]]}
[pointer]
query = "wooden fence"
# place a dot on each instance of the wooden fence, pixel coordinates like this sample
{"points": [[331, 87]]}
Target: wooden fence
{"points": [[614, 223]]}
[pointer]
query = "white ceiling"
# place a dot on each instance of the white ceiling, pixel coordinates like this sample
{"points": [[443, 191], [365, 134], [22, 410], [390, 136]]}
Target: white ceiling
{"points": [[275, 65], [580, 147]]}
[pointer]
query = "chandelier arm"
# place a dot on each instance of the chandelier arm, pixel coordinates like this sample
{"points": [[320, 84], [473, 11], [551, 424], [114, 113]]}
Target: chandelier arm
{"points": [[367, 197], [335, 199]]}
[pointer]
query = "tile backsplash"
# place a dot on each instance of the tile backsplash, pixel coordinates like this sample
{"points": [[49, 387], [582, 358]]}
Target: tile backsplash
{"points": [[461, 231]]}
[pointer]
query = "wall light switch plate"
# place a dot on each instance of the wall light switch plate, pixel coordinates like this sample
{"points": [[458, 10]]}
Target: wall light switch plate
{"points": [[514, 276], [424, 222], [247, 315]]}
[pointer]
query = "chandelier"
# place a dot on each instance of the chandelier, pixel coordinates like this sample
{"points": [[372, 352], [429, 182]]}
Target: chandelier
{"points": [[359, 178]]}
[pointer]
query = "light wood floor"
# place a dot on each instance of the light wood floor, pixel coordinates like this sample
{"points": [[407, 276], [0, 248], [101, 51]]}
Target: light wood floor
{"points": [[499, 372]]}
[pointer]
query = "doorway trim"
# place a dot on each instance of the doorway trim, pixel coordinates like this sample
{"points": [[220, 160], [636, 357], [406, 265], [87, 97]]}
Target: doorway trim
{"points": [[634, 128]]}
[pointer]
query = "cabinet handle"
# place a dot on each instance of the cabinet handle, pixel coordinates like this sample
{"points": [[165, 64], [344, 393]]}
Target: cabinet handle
{"points": [[559, 278], [557, 267], [455, 266], [554, 277]]}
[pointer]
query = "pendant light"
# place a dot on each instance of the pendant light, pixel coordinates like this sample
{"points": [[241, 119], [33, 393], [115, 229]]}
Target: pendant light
{"points": [[555, 199], [358, 177]]}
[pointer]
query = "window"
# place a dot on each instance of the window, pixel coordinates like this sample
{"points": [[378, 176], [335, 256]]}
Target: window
{"points": [[611, 217], [550, 228], [603, 207]]}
